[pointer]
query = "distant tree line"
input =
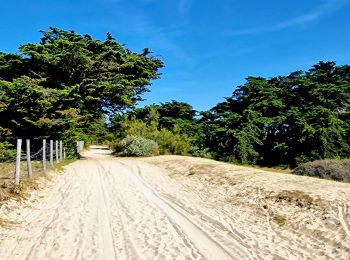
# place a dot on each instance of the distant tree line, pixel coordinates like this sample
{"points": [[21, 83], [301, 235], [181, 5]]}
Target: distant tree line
{"points": [[73, 87], [284, 120]]}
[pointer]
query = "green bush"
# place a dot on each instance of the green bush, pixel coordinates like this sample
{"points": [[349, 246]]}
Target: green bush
{"points": [[7, 153], [170, 142], [200, 152], [328, 169], [136, 146]]}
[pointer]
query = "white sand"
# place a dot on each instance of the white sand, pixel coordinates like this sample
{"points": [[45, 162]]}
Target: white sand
{"points": [[119, 208], [272, 215]]}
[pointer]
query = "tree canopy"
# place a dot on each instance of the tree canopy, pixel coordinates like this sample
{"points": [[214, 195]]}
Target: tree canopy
{"points": [[67, 82], [69, 86], [284, 120]]}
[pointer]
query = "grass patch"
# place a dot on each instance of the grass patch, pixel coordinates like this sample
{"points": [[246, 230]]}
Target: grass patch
{"points": [[3, 223], [280, 220], [60, 165], [9, 190], [274, 169], [6, 223], [277, 169]]}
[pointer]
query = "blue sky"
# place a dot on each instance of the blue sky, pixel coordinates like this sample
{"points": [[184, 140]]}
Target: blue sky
{"points": [[209, 47]]}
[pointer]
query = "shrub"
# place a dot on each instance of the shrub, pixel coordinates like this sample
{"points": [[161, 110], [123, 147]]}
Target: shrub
{"points": [[200, 152], [328, 169], [136, 146], [170, 142], [7, 153], [173, 143]]}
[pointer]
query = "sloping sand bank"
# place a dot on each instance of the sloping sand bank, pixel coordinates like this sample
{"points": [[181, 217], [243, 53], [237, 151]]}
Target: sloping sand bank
{"points": [[272, 214]]}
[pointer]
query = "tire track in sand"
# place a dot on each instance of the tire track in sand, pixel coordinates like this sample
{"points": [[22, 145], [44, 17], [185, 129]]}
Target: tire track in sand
{"points": [[204, 242]]}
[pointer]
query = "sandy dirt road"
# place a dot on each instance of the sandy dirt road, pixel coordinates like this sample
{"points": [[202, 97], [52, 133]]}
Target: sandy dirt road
{"points": [[118, 208]]}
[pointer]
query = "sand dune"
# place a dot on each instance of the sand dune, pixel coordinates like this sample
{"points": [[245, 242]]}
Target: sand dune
{"points": [[177, 208]]}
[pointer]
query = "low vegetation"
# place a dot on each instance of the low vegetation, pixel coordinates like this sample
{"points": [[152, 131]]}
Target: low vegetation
{"points": [[9, 190], [7, 152], [134, 136], [328, 169], [7, 187], [280, 219], [136, 146]]}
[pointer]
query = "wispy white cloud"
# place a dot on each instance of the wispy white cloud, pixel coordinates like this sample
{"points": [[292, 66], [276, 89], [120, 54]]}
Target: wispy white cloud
{"points": [[331, 6], [164, 42], [160, 37], [138, 22]]}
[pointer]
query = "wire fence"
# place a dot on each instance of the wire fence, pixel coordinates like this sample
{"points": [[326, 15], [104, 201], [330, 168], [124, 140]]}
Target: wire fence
{"points": [[23, 163]]}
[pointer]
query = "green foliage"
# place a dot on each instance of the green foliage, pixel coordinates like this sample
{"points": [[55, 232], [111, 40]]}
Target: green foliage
{"points": [[136, 146], [327, 169], [175, 112], [68, 85], [170, 142], [172, 124], [7, 153], [283, 120], [200, 152], [64, 86], [168, 115], [173, 142]]}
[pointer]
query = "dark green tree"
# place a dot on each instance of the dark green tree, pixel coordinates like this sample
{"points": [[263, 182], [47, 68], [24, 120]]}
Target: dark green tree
{"points": [[283, 120], [69, 81]]}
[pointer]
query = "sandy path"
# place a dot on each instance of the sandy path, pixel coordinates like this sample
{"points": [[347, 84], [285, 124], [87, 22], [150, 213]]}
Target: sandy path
{"points": [[118, 208], [102, 208]]}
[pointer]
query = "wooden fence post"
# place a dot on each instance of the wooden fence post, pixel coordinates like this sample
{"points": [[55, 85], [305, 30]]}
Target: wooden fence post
{"points": [[61, 151], [18, 162], [51, 152], [57, 160], [64, 153], [79, 146], [29, 163], [44, 155]]}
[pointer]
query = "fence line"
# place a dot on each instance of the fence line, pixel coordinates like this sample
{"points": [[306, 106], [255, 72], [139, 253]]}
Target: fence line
{"points": [[33, 162], [41, 155]]}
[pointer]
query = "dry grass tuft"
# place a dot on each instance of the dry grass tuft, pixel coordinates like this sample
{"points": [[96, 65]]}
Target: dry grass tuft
{"points": [[295, 198], [280, 219], [9, 190]]}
